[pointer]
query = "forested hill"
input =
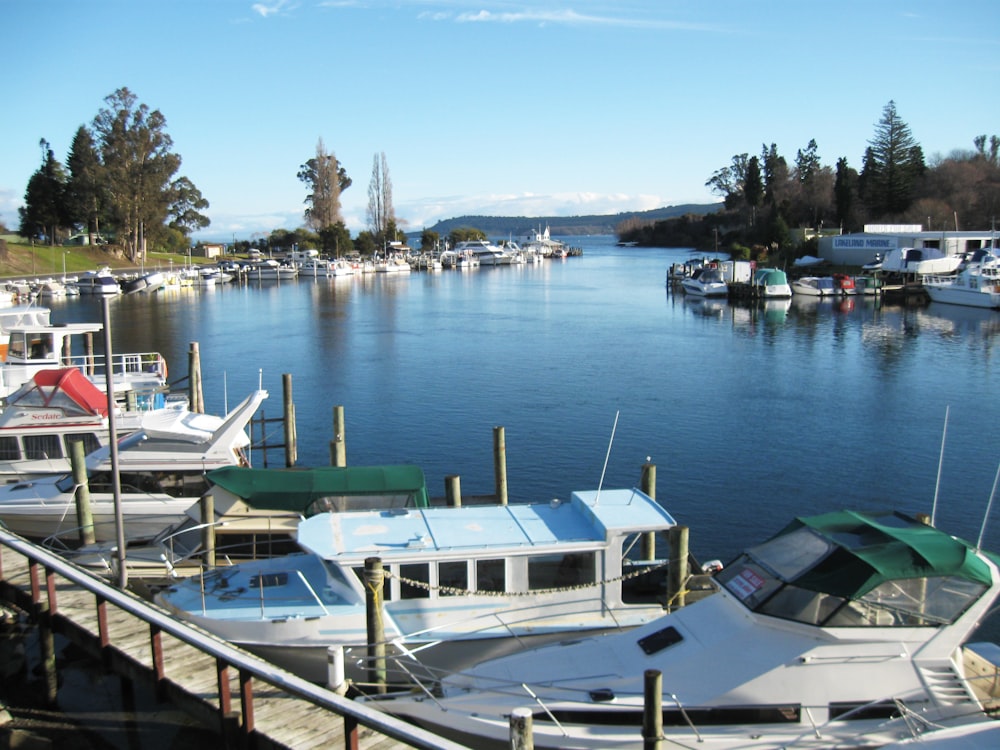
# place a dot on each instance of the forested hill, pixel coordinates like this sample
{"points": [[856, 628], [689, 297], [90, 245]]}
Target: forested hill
{"points": [[519, 226]]}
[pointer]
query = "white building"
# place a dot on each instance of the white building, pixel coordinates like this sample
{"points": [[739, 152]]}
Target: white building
{"points": [[858, 249]]}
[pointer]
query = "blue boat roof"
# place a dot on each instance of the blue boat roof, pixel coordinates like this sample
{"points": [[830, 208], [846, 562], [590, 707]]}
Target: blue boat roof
{"points": [[590, 517]]}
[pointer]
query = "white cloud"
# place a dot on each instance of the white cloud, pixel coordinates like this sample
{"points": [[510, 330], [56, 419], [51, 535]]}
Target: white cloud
{"points": [[274, 7]]}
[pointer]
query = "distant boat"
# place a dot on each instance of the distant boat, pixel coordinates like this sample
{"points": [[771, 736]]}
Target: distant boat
{"points": [[814, 286], [99, 282], [771, 283], [706, 282], [976, 285]]}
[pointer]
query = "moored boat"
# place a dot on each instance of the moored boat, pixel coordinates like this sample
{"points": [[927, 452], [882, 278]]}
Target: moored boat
{"points": [[845, 629], [975, 285], [814, 286], [463, 582], [705, 282]]}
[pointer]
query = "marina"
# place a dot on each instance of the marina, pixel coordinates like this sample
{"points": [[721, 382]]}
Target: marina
{"points": [[751, 411]]}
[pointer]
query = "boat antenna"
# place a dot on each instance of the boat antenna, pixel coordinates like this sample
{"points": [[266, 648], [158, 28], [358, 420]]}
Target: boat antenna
{"points": [[937, 484], [989, 507], [600, 484]]}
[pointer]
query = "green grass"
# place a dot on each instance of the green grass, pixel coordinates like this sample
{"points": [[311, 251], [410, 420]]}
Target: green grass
{"points": [[24, 259]]}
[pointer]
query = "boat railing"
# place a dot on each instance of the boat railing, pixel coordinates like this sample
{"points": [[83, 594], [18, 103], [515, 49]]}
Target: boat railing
{"points": [[122, 365]]}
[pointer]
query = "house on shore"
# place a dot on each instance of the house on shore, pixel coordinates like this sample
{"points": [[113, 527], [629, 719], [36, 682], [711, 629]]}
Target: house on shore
{"points": [[879, 239]]}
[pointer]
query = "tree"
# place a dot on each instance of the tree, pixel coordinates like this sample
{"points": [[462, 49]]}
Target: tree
{"points": [[893, 165], [43, 212], [336, 240], [380, 213], [728, 182], [845, 193], [139, 167], [753, 188], [326, 179], [774, 171], [185, 204], [429, 240], [84, 194]]}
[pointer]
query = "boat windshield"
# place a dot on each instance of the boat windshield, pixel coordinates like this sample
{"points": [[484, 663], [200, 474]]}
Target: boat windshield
{"points": [[779, 578]]}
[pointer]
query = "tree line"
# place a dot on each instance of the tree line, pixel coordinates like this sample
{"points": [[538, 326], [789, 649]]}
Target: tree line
{"points": [[763, 195]]}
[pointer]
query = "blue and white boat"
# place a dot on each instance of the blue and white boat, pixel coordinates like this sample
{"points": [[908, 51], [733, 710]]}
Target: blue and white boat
{"points": [[464, 583]]}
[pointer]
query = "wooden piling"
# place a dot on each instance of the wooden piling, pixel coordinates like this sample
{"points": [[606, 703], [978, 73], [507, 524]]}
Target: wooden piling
{"points": [[208, 529], [500, 464], [652, 710], [453, 490], [648, 485], [84, 514], [338, 446], [88, 351], [678, 573], [197, 400], [291, 448], [521, 729], [374, 584]]}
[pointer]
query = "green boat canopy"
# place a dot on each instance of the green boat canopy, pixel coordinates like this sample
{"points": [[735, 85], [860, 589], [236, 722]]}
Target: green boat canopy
{"points": [[868, 549], [313, 490]]}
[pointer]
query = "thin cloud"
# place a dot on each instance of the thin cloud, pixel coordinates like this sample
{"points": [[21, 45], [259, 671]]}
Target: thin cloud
{"points": [[273, 8], [572, 18]]}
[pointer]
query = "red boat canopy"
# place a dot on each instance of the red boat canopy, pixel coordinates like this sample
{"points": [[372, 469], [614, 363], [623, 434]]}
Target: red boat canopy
{"points": [[65, 388]]}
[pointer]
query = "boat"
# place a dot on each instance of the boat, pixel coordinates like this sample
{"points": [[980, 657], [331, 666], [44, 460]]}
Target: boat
{"points": [[771, 283], [46, 414], [868, 285], [814, 286], [394, 263], [485, 252], [162, 471], [464, 583], [978, 735], [343, 267], [32, 348], [845, 629], [844, 284], [20, 315], [315, 267], [705, 282], [541, 245], [808, 261], [918, 261], [256, 514], [51, 289], [975, 285], [99, 282], [270, 270]]}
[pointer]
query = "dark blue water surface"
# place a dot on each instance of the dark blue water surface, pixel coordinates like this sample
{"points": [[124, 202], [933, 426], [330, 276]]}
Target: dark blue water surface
{"points": [[751, 414]]}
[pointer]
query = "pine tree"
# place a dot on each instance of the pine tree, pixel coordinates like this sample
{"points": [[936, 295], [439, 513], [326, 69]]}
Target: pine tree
{"points": [[44, 211], [894, 163], [85, 186]]}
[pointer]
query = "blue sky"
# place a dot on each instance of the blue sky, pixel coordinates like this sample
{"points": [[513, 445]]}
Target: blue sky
{"points": [[491, 106]]}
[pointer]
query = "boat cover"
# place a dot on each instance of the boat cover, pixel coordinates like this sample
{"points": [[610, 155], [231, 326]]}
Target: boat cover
{"points": [[868, 549], [295, 490], [63, 388]]}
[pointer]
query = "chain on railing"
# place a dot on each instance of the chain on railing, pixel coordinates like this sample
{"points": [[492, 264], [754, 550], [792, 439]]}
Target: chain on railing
{"points": [[458, 591]]}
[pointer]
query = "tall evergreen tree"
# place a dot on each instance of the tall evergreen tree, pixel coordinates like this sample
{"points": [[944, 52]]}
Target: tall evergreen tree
{"points": [[893, 166], [85, 186], [753, 189], [44, 212], [139, 168], [845, 190]]}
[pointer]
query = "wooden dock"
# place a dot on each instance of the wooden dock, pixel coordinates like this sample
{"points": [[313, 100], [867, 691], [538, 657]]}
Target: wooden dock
{"points": [[253, 703]]}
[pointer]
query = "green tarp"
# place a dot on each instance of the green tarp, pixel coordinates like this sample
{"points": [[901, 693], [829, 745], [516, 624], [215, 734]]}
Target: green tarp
{"points": [[873, 548], [294, 490]]}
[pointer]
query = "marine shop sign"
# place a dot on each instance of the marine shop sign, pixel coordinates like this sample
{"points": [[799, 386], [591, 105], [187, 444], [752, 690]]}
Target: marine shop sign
{"points": [[864, 243]]}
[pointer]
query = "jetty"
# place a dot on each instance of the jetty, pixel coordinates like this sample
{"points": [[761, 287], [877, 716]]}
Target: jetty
{"points": [[252, 702]]}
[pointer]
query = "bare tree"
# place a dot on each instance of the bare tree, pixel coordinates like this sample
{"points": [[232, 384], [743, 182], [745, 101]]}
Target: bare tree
{"points": [[323, 175], [380, 214]]}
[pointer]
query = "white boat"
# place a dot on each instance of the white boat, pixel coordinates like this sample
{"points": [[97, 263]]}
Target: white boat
{"points": [[51, 289], [32, 348], [919, 261], [46, 414], [771, 283], [485, 252], [20, 315], [845, 630], [315, 268], [99, 282], [979, 735], [271, 270], [162, 473], [808, 261], [541, 245], [343, 267], [706, 282], [976, 285], [464, 583], [868, 285], [814, 286], [393, 264]]}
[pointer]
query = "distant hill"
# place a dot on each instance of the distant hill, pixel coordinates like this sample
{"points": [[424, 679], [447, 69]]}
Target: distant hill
{"points": [[519, 226]]}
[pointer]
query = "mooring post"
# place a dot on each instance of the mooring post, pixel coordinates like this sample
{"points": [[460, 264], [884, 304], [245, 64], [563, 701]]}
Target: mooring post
{"points": [[500, 464], [374, 583], [338, 447], [453, 490], [88, 351], [335, 679], [652, 710], [291, 449], [678, 573], [208, 529], [197, 404], [521, 729], [84, 514], [648, 485]]}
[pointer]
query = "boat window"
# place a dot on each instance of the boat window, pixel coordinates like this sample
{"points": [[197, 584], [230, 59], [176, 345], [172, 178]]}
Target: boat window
{"points": [[661, 639], [90, 442], [748, 581], [791, 554], [267, 580], [559, 571], [490, 576], [453, 575], [925, 601], [801, 605], [790, 713], [9, 449], [40, 447], [419, 572]]}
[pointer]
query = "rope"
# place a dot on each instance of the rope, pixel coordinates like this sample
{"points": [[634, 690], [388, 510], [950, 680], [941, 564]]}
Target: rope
{"points": [[454, 590]]}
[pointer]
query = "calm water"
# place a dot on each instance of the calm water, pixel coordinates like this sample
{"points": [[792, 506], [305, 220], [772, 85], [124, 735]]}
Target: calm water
{"points": [[751, 415]]}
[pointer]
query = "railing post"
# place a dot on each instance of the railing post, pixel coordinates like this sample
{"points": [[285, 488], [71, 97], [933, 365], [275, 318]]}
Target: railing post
{"points": [[159, 672], [246, 703]]}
